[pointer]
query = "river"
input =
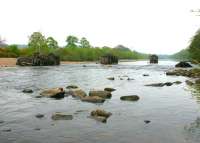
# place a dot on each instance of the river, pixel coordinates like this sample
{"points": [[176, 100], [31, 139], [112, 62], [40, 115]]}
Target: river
{"points": [[172, 110]]}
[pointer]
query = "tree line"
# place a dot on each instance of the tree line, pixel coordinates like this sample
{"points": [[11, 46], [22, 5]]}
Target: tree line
{"points": [[75, 49]]}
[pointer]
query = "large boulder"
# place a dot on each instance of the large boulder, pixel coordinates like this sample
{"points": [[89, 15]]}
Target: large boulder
{"points": [[153, 59], [109, 59], [24, 61], [53, 93], [100, 93], [39, 60], [183, 65]]}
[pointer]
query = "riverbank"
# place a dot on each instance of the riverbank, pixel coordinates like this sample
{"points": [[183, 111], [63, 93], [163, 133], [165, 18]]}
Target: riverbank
{"points": [[7, 62], [11, 62]]}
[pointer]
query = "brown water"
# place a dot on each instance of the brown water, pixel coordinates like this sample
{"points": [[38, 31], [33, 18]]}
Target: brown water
{"points": [[173, 111]]}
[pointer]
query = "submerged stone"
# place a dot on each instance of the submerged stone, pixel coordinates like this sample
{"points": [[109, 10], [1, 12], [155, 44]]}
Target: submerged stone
{"points": [[61, 116], [177, 82], [93, 99]]}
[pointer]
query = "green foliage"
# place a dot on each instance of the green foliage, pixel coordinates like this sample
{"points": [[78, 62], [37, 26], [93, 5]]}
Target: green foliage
{"points": [[72, 41], [13, 49], [93, 54], [194, 47], [52, 43], [74, 51], [84, 43], [182, 55], [37, 42]]}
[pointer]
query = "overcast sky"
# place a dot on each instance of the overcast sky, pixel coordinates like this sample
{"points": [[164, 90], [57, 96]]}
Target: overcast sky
{"points": [[150, 26]]}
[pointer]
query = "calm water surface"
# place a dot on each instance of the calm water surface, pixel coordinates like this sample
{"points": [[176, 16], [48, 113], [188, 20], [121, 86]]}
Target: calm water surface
{"points": [[173, 111]]}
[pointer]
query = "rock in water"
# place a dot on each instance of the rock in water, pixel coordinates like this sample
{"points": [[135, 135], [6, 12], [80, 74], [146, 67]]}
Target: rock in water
{"points": [[130, 98], [153, 59], [109, 59], [53, 93], [27, 91], [160, 84], [111, 78], [109, 89], [93, 99], [194, 73], [177, 82], [39, 115], [183, 65], [168, 83], [76, 92], [100, 115], [147, 121], [61, 116], [1, 121], [100, 93]]}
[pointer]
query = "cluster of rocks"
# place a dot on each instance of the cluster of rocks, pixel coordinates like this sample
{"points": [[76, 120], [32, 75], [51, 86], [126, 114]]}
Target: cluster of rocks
{"points": [[94, 96], [98, 115], [193, 73]]}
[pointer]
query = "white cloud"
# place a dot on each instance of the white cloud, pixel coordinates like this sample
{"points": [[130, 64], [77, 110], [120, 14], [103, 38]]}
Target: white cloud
{"points": [[151, 26]]}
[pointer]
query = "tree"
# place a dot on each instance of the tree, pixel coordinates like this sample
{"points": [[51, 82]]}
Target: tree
{"points": [[84, 43], [72, 41], [52, 43], [37, 41], [194, 47]]}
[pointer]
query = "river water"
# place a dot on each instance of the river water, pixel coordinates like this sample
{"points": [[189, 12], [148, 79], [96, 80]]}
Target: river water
{"points": [[173, 111]]}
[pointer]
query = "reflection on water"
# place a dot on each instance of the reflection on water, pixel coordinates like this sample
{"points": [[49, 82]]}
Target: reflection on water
{"points": [[195, 90], [168, 108], [193, 130]]}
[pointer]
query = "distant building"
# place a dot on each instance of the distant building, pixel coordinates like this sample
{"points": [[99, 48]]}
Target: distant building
{"points": [[109, 59], [153, 59]]}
